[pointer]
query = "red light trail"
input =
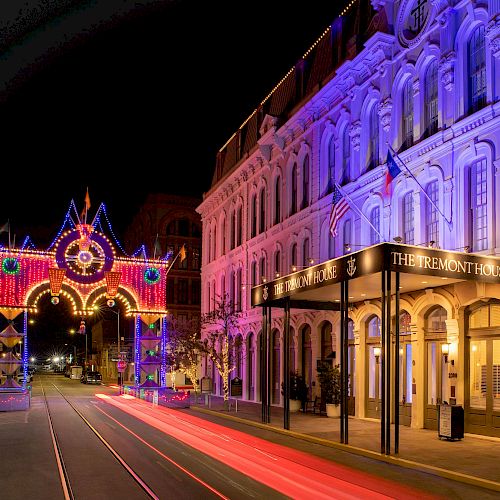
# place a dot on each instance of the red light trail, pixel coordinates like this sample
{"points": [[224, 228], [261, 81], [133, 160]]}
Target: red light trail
{"points": [[289, 471]]}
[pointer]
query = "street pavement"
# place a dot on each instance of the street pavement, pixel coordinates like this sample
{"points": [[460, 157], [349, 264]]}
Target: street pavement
{"points": [[472, 460]]}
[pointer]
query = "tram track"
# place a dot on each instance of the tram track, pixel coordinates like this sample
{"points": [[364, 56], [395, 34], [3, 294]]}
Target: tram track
{"points": [[65, 480]]}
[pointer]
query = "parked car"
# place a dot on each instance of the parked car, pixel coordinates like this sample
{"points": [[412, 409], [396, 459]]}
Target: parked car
{"points": [[91, 378], [20, 377]]}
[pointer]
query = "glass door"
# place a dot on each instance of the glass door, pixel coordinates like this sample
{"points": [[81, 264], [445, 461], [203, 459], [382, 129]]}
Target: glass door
{"points": [[483, 409], [374, 403]]}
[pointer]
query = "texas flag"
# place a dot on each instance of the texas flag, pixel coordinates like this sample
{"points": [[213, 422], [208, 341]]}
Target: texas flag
{"points": [[392, 171]]}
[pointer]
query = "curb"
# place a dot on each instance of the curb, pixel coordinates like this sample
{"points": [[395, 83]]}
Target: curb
{"points": [[402, 462]]}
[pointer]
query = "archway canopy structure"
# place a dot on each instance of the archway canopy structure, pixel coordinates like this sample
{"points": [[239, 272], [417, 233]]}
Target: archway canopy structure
{"points": [[374, 276], [83, 267]]}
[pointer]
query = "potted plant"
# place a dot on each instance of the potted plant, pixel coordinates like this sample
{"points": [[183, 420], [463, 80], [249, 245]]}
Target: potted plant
{"points": [[298, 391], [329, 379]]}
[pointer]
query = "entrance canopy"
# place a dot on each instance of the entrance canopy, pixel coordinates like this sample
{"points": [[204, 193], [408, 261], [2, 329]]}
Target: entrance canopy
{"points": [[419, 268]]}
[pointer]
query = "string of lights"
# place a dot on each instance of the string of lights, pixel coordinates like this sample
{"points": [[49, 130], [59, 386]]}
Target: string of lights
{"points": [[346, 9]]}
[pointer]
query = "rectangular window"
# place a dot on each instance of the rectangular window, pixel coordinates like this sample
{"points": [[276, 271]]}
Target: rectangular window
{"points": [[170, 291], [375, 221], [408, 219], [431, 94], [233, 236], [432, 220], [478, 374], [239, 305], [408, 377], [196, 259], [195, 291], [496, 375], [347, 236], [182, 291], [254, 216], [479, 206], [477, 70], [408, 114], [239, 227], [431, 374]]}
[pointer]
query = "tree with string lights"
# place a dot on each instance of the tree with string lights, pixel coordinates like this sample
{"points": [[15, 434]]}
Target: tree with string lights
{"points": [[222, 342]]}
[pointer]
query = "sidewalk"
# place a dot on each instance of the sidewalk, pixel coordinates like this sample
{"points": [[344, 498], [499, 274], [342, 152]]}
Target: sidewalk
{"points": [[472, 460]]}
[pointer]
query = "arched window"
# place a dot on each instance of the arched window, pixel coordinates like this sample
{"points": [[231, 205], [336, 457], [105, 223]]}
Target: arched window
{"points": [[374, 327], [305, 252], [408, 114], [277, 263], [331, 245], [239, 305], [477, 69], [431, 99], [254, 274], [262, 268], [305, 182], [262, 201], [277, 201], [374, 139], [239, 226], [346, 156], [232, 228], [375, 222], [479, 205], [293, 199], [214, 242], [253, 215], [408, 219], [209, 245], [222, 286], [232, 295], [431, 214], [347, 236], [294, 255], [223, 237], [331, 165], [436, 320]]}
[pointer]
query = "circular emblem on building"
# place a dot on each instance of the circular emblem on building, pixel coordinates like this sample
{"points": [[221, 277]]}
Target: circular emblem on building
{"points": [[152, 275], [86, 258], [11, 266], [413, 18]]}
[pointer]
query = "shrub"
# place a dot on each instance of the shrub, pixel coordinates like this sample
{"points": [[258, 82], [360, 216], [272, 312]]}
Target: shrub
{"points": [[298, 387], [329, 379]]}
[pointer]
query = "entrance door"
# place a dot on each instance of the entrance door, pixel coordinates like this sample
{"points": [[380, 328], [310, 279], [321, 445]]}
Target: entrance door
{"points": [[351, 400], [374, 403], [405, 383], [483, 411], [276, 369]]}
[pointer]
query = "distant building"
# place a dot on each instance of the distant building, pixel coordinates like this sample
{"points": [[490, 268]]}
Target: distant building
{"points": [[424, 77], [168, 222]]}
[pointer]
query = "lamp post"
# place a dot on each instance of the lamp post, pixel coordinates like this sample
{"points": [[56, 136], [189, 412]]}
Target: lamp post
{"points": [[117, 312]]}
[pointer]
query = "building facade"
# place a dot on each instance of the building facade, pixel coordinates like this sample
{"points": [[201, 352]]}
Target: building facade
{"points": [[422, 77], [164, 224]]}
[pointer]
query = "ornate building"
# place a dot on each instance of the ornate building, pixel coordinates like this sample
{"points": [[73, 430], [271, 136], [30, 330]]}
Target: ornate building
{"points": [[422, 77], [164, 223]]}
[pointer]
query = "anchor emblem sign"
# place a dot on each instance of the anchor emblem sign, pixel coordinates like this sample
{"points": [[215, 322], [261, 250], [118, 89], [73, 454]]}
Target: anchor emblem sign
{"points": [[265, 295], [351, 266]]}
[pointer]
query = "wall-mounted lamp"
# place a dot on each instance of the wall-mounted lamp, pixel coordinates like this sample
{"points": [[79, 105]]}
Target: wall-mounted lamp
{"points": [[398, 239], [277, 275], [264, 279], [401, 351], [431, 244], [377, 351], [445, 350]]}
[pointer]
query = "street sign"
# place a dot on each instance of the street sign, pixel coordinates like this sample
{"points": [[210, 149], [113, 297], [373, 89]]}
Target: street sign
{"points": [[206, 385], [236, 387]]}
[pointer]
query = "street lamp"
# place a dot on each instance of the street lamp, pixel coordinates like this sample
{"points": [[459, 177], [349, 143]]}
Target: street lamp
{"points": [[117, 312]]}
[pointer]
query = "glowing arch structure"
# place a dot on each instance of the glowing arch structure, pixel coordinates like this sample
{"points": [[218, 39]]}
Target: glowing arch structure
{"points": [[83, 260]]}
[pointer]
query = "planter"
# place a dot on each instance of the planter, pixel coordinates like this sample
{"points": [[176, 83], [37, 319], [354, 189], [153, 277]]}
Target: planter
{"points": [[333, 410], [295, 405]]}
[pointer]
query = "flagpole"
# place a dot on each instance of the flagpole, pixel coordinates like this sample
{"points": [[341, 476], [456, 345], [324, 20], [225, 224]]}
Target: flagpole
{"points": [[359, 211], [450, 224]]}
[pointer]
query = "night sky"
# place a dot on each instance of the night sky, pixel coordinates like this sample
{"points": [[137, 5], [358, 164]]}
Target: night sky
{"points": [[156, 90]]}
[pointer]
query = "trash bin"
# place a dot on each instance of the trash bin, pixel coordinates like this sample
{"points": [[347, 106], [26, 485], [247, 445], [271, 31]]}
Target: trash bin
{"points": [[450, 422]]}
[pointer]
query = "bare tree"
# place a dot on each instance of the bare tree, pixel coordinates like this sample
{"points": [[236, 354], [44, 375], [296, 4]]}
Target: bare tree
{"points": [[222, 342]]}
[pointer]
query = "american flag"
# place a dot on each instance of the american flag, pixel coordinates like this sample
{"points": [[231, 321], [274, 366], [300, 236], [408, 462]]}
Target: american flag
{"points": [[339, 208]]}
